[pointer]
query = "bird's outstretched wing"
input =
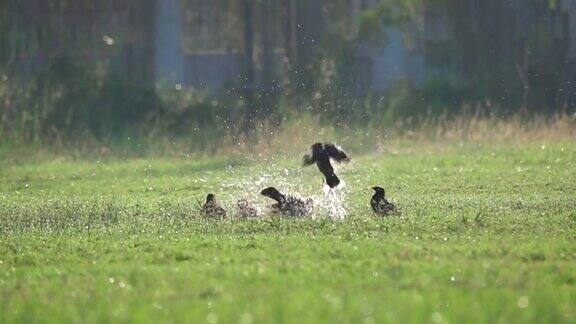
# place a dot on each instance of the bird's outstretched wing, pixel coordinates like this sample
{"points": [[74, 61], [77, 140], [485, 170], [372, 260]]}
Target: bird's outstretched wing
{"points": [[307, 160], [336, 153]]}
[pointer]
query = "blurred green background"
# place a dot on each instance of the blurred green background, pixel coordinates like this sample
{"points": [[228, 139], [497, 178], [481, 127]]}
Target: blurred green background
{"points": [[218, 70]]}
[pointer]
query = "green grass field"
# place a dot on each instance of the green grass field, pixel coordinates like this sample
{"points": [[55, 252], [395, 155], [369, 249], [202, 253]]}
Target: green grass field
{"points": [[487, 234]]}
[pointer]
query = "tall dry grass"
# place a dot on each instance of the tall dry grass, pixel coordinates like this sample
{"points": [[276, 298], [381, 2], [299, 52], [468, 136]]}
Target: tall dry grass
{"points": [[294, 135], [297, 134]]}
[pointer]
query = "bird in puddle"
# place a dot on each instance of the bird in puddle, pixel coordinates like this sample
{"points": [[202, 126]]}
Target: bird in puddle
{"points": [[380, 205], [321, 154], [212, 209], [288, 205], [245, 209]]}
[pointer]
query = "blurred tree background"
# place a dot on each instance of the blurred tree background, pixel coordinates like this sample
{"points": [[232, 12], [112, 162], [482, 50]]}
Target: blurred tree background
{"points": [[213, 68]]}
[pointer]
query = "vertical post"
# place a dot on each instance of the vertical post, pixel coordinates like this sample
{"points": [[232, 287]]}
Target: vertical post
{"points": [[309, 24], [249, 66], [294, 30], [139, 53], [266, 41], [169, 58], [267, 83]]}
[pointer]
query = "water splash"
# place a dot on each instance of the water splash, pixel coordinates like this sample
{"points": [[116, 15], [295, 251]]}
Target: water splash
{"points": [[334, 201], [329, 202]]}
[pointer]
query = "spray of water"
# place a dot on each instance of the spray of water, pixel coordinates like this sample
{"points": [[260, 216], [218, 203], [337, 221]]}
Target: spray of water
{"points": [[330, 202], [334, 201], [267, 174]]}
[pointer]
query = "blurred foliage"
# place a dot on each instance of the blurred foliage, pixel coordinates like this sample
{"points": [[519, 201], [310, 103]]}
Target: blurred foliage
{"points": [[207, 27], [77, 85], [68, 99]]}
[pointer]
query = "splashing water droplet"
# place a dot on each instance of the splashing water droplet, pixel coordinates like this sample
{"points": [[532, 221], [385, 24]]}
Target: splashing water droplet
{"points": [[108, 40], [523, 302], [333, 201]]}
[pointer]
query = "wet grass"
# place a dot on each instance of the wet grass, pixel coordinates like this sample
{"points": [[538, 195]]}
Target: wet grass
{"points": [[487, 234]]}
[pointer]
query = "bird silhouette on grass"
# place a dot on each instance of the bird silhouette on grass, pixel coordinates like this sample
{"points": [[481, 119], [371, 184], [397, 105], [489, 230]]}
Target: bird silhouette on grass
{"points": [[288, 205], [380, 205], [321, 154], [212, 209], [245, 209]]}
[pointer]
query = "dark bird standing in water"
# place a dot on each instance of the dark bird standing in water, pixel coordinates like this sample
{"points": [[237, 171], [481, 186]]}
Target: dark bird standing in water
{"points": [[321, 155], [379, 204], [288, 205], [211, 209]]}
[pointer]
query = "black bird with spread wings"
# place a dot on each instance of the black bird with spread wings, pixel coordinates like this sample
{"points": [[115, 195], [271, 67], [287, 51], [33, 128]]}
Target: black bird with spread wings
{"points": [[321, 155], [212, 209], [380, 205], [288, 205]]}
